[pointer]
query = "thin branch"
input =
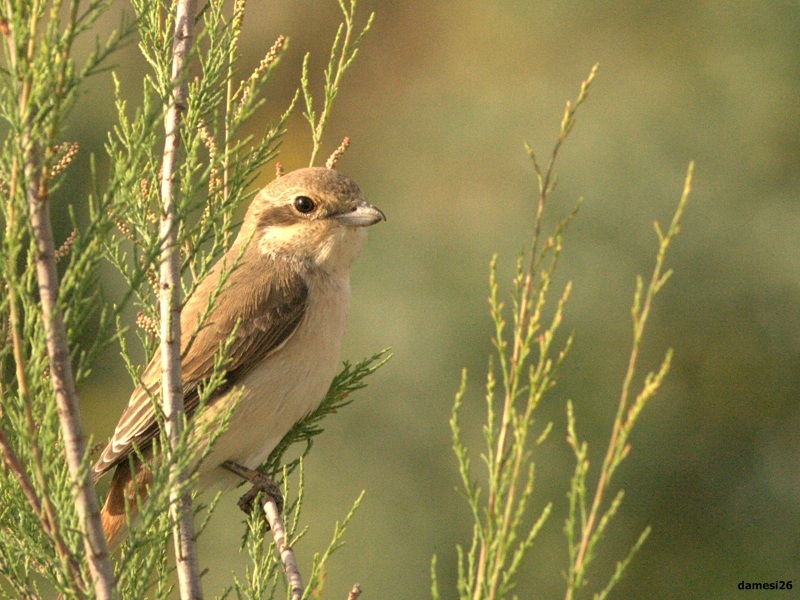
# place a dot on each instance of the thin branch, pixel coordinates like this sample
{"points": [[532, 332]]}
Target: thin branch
{"points": [[186, 559], [44, 509], [62, 377], [11, 461], [64, 385], [340, 60], [617, 450], [287, 554], [526, 318]]}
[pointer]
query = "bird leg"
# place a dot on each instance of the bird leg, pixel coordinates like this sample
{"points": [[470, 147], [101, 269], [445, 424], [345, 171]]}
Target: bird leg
{"points": [[261, 483]]}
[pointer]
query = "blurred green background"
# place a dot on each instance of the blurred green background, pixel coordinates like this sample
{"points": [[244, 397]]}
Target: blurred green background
{"points": [[438, 105]]}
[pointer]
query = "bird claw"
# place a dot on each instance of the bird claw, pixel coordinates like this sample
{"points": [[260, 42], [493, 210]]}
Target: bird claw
{"points": [[261, 484], [266, 486]]}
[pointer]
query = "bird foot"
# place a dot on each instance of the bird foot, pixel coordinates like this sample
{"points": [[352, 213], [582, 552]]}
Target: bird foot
{"points": [[261, 484]]}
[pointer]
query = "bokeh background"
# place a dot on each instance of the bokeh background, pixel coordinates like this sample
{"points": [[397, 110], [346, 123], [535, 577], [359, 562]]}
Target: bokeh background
{"points": [[438, 105]]}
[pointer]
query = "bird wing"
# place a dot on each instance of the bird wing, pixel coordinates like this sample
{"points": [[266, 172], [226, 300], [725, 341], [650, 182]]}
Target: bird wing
{"points": [[267, 304]]}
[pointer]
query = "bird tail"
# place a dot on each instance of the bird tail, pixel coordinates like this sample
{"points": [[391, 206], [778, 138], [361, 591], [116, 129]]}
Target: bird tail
{"points": [[125, 491]]}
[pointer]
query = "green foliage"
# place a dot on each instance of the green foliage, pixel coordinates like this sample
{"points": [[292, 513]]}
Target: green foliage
{"points": [[40, 536], [503, 529], [41, 543], [587, 521], [349, 380], [261, 578], [503, 532], [343, 53]]}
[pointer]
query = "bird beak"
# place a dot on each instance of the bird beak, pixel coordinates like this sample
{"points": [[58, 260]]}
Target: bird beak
{"points": [[362, 215]]}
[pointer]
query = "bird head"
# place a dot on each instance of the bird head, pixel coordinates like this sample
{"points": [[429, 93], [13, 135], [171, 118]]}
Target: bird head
{"points": [[315, 216]]}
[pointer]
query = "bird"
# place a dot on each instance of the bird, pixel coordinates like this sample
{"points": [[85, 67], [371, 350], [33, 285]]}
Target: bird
{"points": [[282, 308]]}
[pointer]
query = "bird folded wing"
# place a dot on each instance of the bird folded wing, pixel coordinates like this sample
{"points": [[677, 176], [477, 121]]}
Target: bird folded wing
{"points": [[264, 315]]}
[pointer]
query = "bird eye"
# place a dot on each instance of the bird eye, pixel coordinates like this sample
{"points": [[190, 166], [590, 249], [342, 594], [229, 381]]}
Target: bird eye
{"points": [[304, 204]]}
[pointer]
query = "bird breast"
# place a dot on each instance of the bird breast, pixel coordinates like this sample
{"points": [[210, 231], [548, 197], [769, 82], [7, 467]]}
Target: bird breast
{"points": [[286, 386]]}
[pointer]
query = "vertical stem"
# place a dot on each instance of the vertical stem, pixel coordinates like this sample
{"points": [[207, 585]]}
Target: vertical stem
{"points": [[614, 450], [63, 380], [172, 388], [61, 374], [287, 554]]}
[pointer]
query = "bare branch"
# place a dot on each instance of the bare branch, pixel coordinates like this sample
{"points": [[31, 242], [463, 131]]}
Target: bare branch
{"points": [[64, 383], [169, 291], [286, 552], [36, 192]]}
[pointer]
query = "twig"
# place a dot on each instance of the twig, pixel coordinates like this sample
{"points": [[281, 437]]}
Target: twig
{"points": [[355, 592], [64, 386], [186, 559], [340, 60], [513, 368], [11, 461], [35, 176], [42, 506], [287, 554], [617, 448]]}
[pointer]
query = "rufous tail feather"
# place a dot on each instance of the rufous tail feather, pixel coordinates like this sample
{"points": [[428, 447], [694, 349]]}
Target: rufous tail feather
{"points": [[124, 490]]}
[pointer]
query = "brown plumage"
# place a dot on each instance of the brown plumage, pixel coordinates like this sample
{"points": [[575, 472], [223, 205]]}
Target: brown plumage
{"points": [[289, 296]]}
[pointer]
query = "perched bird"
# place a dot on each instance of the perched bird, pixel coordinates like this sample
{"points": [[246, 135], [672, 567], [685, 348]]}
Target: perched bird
{"points": [[287, 300]]}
